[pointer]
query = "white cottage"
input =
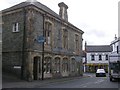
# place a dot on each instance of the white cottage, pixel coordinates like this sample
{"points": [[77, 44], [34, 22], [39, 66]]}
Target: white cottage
{"points": [[97, 57], [115, 45]]}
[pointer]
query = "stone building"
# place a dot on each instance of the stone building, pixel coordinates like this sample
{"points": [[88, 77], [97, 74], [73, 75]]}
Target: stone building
{"points": [[38, 43]]}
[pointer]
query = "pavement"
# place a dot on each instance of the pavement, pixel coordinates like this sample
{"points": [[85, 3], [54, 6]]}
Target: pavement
{"points": [[10, 81]]}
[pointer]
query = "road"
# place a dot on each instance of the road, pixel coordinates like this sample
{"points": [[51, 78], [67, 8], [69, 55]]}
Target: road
{"points": [[87, 82]]}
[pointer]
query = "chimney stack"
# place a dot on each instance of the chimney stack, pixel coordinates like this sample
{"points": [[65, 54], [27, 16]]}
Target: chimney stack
{"points": [[115, 37], [63, 11], [85, 45]]}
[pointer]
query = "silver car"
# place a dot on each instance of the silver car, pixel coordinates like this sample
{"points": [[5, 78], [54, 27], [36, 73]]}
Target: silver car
{"points": [[100, 73]]}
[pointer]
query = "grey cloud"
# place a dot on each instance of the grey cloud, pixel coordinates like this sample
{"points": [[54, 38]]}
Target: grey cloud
{"points": [[96, 33]]}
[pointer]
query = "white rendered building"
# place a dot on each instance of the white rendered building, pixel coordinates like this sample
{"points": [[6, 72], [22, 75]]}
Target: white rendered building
{"points": [[97, 57]]}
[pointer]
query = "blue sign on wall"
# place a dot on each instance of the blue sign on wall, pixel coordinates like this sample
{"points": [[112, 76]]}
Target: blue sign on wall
{"points": [[40, 39]]}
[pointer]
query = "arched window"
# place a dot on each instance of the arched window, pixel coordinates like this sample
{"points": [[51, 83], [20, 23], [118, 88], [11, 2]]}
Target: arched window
{"points": [[77, 42], [65, 65], [47, 32], [47, 65], [57, 65], [65, 38], [73, 64]]}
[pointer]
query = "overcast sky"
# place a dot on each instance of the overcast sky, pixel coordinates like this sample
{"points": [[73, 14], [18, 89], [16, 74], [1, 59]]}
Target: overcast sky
{"points": [[97, 18]]}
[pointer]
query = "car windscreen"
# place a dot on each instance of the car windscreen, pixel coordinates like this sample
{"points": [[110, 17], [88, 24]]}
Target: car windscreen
{"points": [[100, 71]]}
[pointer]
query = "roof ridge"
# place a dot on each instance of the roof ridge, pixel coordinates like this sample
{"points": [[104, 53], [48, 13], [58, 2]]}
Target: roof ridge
{"points": [[40, 6], [97, 45], [31, 1], [101, 48]]}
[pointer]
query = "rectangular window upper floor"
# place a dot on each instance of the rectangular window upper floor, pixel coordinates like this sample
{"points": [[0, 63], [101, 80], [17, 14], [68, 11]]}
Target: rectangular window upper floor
{"points": [[92, 57], [15, 27], [100, 57], [106, 57]]}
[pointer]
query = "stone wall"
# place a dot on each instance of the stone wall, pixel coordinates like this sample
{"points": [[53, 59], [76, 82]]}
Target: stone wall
{"points": [[12, 42], [20, 48], [11, 62]]}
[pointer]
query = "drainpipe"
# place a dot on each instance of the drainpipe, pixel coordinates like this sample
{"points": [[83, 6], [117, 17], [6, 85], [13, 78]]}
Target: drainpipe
{"points": [[43, 48], [23, 47]]}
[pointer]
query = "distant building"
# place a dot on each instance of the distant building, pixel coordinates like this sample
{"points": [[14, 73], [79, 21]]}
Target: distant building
{"points": [[97, 57], [115, 45], [25, 27]]}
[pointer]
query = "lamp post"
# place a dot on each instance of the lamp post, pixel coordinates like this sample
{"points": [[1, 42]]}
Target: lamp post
{"points": [[43, 61], [43, 49]]}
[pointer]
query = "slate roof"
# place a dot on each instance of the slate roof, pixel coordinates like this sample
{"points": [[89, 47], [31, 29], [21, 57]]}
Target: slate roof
{"points": [[98, 48], [38, 5], [115, 41]]}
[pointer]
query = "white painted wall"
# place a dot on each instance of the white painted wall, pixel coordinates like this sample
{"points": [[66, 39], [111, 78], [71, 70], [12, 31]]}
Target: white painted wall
{"points": [[114, 44], [97, 57]]}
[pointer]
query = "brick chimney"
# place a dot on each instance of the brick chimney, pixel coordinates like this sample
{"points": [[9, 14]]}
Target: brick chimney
{"points": [[63, 11]]}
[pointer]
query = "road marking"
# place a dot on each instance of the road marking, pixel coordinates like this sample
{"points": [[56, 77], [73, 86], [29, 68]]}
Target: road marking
{"points": [[99, 81], [87, 84], [84, 86]]}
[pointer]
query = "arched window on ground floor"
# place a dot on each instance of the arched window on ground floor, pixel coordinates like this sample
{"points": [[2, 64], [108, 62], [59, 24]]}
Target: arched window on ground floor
{"points": [[65, 65], [73, 64], [47, 65], [57, 65]]}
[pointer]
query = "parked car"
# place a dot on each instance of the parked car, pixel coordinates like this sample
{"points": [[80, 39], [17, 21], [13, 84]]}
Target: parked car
{"points": [[100, 73]]}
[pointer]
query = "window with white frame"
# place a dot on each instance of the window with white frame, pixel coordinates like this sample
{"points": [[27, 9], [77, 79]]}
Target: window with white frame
{"points": [[117, 49], [106, 57], [100, 57], [92, 57], [15, 27]]}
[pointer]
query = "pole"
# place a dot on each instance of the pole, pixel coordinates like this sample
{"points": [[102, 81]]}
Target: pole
{"points": [[43, 51], [23, 60]]}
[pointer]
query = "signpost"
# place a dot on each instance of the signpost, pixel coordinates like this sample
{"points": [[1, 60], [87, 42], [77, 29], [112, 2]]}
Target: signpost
{"points": [[41, 40]]}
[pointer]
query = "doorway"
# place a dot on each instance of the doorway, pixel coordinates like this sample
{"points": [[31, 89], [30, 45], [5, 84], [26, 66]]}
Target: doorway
{"points": [[36, 68]]}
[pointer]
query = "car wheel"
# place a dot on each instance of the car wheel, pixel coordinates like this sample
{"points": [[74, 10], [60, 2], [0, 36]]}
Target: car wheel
{"points": [[111, 79]]}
